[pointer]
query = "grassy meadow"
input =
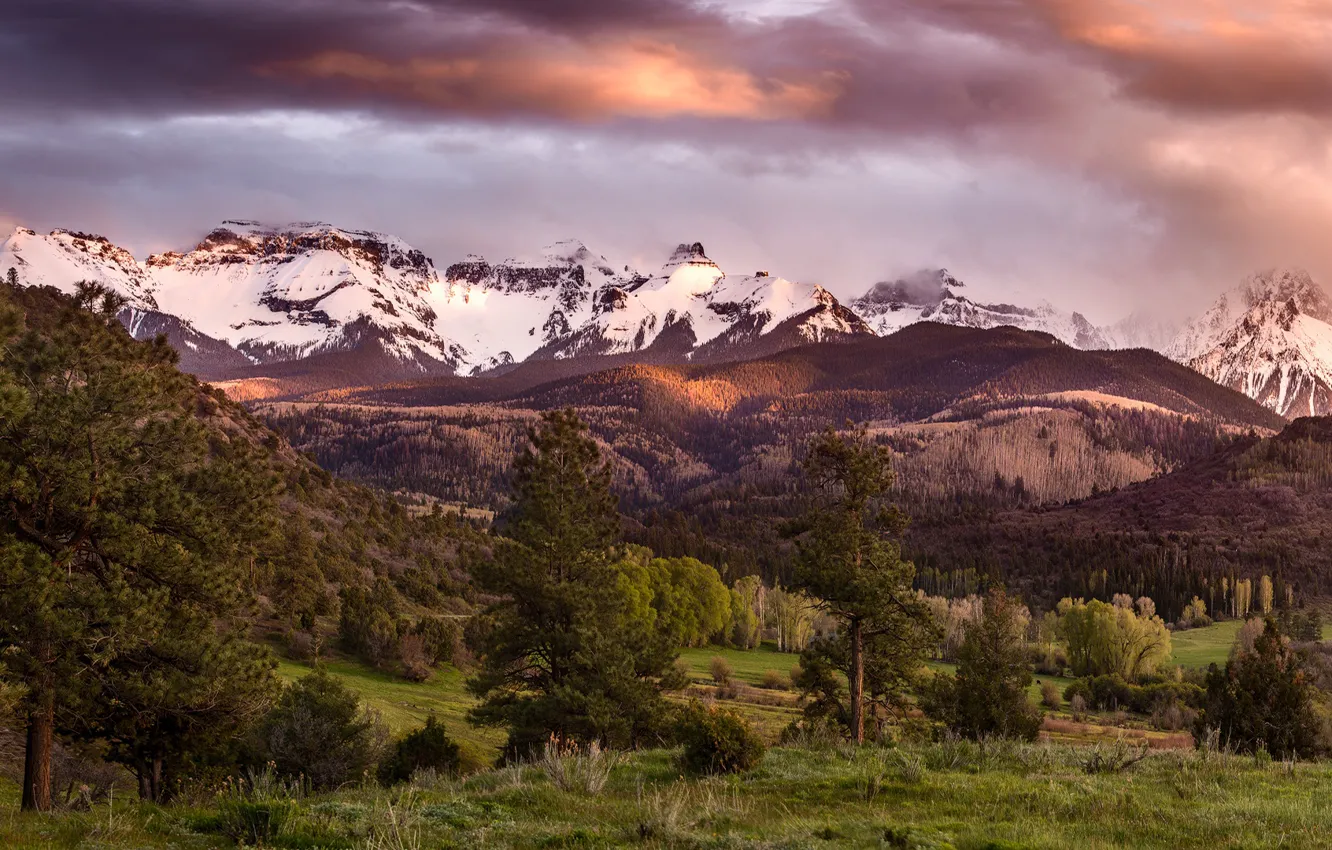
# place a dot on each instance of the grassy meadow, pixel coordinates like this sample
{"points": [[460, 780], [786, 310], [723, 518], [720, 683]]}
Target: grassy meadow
{"points": [[1071, 790], [942, 795]]}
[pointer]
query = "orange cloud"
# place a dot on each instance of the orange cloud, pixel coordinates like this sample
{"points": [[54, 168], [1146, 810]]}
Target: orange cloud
{"points": [[640, 80], [1259, 55]]}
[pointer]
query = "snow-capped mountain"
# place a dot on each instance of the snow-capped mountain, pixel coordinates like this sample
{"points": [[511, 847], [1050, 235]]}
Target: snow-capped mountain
{"points": [[284, 293], [1270, 338], [504, 313], [691, 308], [931, 296], [250, 294]]}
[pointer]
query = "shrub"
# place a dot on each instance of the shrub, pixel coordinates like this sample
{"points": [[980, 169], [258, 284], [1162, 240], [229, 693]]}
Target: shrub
{"points": [[722, 672], [717, 740], [580, 769], [1111, 693], [441, 639], [319, 730], [1050, 697], [1077, 706], [1078, 690], [426, 748], [415, 661], [775, 681]]}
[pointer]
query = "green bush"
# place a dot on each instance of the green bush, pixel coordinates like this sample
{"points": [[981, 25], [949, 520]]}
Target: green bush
{"points": [[717, 740], [1107, 693], [426, 747], [721, 670], [319, 731]]}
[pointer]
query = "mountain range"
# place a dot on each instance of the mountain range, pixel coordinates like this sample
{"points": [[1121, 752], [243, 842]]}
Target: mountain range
{"points": [[345, 307]]}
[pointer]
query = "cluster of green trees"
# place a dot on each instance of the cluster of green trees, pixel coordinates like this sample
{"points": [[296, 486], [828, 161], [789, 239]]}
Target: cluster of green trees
{"points": [[145, 524], [126, 540]]}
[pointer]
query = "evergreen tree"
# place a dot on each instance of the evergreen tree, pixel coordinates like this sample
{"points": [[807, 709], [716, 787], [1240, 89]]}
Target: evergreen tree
{"points": [[850, 559], [560, 653], [988, 695], [186, 699], [11, 277], [119, 512], [1262, 699], [319, 730]]}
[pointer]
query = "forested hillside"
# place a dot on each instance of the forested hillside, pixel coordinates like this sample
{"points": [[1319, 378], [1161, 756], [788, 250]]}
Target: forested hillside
{"points": [[979, 422], [1258, 506], [332, 533]]}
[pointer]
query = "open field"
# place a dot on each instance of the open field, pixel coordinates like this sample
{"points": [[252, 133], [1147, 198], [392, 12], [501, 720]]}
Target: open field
{"points": [[945, 795], [405, 705], [1201, 647]]}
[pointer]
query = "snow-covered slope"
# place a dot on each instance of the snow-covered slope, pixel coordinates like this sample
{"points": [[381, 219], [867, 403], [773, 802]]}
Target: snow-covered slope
{"points": [[283, 293], [63, 258], [1270, 338], [692, 308], [503, 313], [931, 296]]}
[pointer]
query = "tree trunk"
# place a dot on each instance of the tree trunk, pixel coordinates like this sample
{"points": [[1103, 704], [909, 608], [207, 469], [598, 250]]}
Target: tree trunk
{"points": [[150, 779], [857, 682], [37, 754]]}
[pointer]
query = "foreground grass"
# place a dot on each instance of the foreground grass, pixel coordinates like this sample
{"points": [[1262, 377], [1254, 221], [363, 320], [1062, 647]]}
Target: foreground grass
{"points": [[950, 794]]}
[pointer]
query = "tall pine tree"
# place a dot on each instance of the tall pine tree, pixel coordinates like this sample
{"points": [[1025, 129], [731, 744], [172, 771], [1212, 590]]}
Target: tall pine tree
{"points": [[120, 513], [850, 559], [560, 654]]}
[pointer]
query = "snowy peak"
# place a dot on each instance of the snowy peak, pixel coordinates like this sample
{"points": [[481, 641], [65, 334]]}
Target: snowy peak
{"points": [[930, 295], [1270, 338], [245, 241], [505, 312], [63, 258], [291, 291], [692, 308], [925, 288]]}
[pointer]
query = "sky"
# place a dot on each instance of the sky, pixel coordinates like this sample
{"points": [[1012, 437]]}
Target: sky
{"points": [[1106, 155]]}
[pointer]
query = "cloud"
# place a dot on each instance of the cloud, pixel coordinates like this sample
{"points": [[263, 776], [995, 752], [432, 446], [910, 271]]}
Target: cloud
{"points": [[573, 81], [1103, 148]]}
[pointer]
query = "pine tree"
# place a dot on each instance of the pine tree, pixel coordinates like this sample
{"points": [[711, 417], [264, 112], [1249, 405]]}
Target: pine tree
{"points": [[1262, 699], [11, 277], [559, 654], [850, 559], [183, 700], [118, 512], [989, 692]]}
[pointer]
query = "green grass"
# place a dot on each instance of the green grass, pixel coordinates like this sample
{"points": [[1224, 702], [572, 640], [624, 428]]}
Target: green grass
{"points": [[1201, 647], [406, 705], [749, 664], [946, 795]]}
